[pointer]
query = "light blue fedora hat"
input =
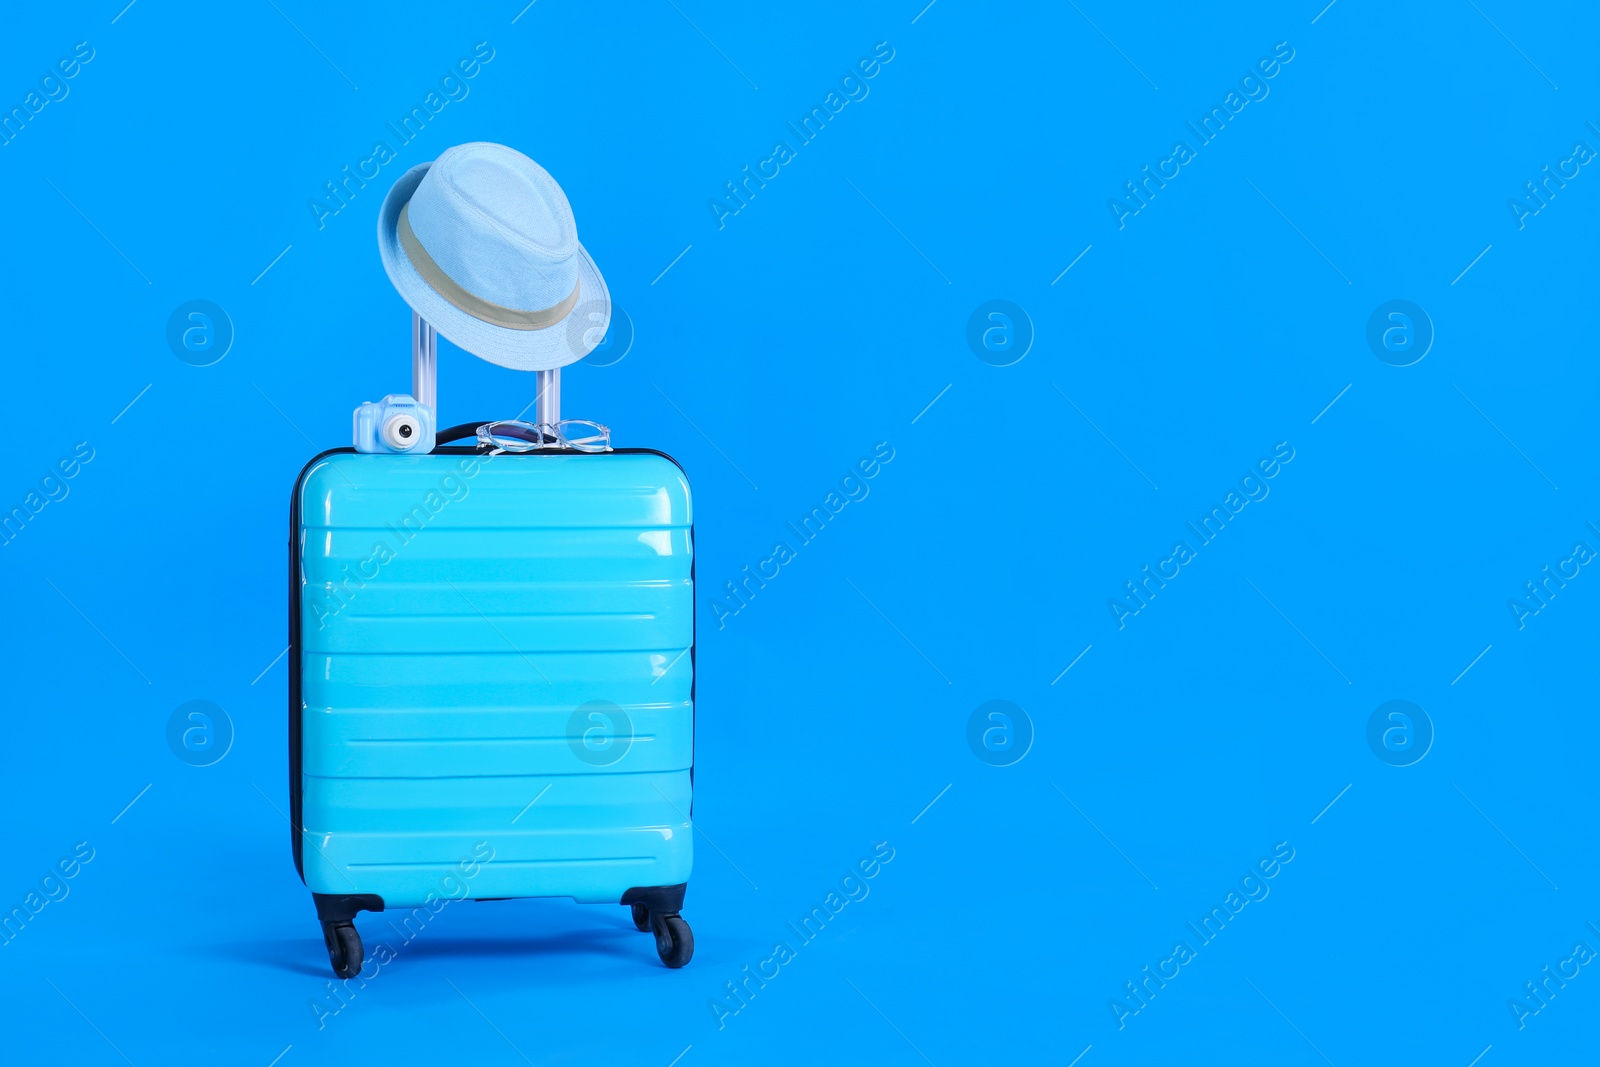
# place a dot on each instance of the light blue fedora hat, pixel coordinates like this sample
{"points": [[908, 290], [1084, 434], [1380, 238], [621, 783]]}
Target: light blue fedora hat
{"points": [[482, 244]]}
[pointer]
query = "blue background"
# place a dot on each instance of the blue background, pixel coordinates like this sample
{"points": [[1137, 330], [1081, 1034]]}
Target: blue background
{"points": [[821, 319]]}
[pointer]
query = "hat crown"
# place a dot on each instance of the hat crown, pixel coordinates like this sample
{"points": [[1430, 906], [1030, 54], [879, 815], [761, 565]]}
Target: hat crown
{"points": [[498, 225]]}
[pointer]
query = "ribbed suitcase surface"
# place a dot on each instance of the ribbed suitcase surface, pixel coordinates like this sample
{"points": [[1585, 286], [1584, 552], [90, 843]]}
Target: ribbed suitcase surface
{"points": [[493, 649]]}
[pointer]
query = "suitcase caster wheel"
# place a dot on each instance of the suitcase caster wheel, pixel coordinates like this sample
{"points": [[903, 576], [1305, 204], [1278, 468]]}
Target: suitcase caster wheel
{"points": [[674, 939], [344, 948], [641, 916]]}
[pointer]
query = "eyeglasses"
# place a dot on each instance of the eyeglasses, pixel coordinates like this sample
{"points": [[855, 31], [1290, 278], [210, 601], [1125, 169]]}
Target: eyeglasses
{"points": [[577, 435]]}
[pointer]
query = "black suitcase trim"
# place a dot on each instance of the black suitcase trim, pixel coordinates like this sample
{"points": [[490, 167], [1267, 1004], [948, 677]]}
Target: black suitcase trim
{"points": [[296, 828]]}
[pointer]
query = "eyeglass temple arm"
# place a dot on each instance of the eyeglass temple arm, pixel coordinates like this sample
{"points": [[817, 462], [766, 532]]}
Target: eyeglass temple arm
{"points": [[425, 375]]}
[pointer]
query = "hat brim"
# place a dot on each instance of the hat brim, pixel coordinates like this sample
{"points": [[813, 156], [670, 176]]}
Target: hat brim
{"points": [[556, 345]]}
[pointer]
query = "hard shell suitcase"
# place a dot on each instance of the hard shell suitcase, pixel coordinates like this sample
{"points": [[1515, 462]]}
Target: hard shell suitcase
{"points": [[491, 685]]}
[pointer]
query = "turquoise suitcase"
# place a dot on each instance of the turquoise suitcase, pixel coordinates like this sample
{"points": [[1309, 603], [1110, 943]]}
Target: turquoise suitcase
{"points": [[492, 683]]}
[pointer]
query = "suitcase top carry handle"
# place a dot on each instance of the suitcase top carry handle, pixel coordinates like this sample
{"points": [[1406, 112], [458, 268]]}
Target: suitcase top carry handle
{"points": [[425, 375]]}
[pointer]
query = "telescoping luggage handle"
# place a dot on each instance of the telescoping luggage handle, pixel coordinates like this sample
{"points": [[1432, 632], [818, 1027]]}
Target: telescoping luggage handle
{"points": [[425, 376], [548, 430]]}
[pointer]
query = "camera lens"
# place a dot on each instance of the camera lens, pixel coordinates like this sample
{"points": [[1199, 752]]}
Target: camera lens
{"points": [[401, 432]]}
